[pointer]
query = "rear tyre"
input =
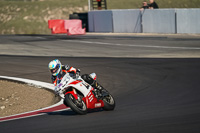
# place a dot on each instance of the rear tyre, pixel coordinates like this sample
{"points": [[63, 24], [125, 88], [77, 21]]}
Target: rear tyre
{"points": [[109, 102], [77, 106]]}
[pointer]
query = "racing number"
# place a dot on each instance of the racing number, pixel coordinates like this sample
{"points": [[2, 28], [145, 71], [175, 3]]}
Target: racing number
{"points": [[86, 85]]}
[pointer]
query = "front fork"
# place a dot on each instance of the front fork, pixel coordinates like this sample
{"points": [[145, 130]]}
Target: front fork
{"points": [[78, 96]]}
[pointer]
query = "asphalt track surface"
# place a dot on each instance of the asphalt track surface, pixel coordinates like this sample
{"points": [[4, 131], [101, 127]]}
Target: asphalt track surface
{"points": [[153, 94]]}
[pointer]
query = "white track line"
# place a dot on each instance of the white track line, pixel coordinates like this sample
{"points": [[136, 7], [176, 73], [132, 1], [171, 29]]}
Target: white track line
{"points": [[133, 45], [38, 84]]}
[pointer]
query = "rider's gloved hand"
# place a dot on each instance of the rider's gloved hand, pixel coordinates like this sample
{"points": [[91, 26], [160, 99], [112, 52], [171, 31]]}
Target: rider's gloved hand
{"points": [[78, 72], [77, 75]]}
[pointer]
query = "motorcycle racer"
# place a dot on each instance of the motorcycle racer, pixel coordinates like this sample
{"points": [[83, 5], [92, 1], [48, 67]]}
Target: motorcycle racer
{"points": [[58, 71]]}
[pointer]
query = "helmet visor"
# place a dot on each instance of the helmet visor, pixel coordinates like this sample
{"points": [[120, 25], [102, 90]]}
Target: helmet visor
{"points": [[55, 69]]}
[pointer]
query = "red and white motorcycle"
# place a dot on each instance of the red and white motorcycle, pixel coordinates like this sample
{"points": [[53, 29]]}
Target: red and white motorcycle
{"points": [[81, 96]]}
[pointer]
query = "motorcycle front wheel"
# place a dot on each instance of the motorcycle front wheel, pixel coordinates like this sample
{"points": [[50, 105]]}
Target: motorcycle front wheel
{"points": [[76, 105], [109, 102]]}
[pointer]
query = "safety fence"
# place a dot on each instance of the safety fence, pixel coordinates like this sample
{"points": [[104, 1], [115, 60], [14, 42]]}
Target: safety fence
{"points": [[147, 21]]}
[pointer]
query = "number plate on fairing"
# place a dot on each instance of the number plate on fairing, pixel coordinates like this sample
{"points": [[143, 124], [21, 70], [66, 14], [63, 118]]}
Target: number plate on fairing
{"points": [[97, 105]]}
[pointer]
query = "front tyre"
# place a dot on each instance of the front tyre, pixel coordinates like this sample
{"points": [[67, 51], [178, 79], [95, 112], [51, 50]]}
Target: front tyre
{"points": [[76, 105], [109, 102]]}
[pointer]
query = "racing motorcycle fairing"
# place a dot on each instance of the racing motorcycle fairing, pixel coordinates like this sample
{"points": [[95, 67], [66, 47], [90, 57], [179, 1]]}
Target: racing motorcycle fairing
{"points": [[92, 101]]}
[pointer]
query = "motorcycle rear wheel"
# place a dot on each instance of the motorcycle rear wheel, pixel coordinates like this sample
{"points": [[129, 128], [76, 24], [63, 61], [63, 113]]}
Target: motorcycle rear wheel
{"points": [[75, 105]]}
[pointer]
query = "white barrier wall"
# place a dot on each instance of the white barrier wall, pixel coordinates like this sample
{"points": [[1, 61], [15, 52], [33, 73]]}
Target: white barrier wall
{"points": [[127, 21], [158, 21], [188, 20], [147, 21], [100, 21], [91, 21]]}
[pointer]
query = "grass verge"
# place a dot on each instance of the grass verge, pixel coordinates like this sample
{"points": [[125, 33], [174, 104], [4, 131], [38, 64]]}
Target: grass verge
{"points": [[31, 16]]}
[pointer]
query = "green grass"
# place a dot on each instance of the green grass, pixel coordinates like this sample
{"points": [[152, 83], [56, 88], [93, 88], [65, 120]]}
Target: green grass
{"points": [[19, 17], [129, 4], [31, 16]]}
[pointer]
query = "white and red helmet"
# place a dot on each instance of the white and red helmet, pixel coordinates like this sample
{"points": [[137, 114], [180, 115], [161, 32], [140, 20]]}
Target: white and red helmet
{"points": [[93, 76]]}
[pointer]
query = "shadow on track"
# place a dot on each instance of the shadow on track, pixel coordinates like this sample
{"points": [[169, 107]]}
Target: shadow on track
{"points": [[72, 113]]}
